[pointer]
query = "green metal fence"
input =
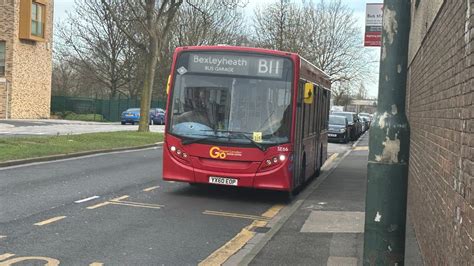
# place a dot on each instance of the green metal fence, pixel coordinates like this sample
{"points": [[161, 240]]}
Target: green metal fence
{"points": [[110, 109]]}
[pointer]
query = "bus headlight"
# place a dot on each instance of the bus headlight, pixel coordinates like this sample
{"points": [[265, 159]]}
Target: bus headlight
{"points": [[282, 157]]}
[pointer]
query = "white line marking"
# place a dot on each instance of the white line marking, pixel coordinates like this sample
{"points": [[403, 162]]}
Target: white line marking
{"points": [[86, 199]]}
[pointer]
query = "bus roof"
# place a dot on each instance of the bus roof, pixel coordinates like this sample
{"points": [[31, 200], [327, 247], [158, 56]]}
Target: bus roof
{"points": [[307, 70]]}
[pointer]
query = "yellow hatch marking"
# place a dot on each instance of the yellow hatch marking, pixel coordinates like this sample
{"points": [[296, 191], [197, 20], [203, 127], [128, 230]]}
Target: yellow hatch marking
{"points": [[219, 256], [361, 148], [52, 220], [6, 256], [236, 215], [150, 188], [96, 264]]}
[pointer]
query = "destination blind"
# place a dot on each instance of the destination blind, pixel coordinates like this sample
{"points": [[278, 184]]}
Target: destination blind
{"points": [[260, 66]]}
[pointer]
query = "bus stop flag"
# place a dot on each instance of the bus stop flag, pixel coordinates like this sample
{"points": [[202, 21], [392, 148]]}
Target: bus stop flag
{"points": [[373, 24]]}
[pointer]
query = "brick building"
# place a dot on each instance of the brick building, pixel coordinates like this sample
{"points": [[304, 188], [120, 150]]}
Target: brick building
{"points": [[440, 112], [26, 32]]}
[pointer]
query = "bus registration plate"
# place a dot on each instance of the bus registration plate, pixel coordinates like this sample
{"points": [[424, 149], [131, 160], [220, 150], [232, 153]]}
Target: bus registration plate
{"points": [[223, 181]]}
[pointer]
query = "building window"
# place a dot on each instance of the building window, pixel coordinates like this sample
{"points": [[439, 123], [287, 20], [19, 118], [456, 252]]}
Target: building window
{"points": [[33, 20], [2, 59], [37, 23]]}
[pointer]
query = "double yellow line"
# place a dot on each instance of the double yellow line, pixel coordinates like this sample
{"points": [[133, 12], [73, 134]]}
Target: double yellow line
{"points": [[221, 255]]}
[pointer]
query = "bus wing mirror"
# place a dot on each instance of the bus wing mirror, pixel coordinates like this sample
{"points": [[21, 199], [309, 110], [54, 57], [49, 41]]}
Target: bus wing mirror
{"points": [[308, 93], [168, 85]]}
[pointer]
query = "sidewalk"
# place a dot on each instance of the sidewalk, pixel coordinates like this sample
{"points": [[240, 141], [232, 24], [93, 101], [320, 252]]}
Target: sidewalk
{"points": [[328, 226]]}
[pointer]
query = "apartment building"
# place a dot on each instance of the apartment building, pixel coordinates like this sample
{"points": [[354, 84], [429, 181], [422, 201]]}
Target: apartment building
{"points": [[26, 32]]}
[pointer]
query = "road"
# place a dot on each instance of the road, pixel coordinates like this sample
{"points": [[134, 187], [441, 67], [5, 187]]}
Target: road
{"points": [[115, 209], [39, 127]]}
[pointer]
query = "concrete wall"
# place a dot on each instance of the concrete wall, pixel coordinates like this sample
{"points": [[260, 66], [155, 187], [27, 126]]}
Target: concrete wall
{"points": [[29, 66], [440, 112]]}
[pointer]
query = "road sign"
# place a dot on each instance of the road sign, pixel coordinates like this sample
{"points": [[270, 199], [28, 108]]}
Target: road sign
{"points": [[373, 24]]}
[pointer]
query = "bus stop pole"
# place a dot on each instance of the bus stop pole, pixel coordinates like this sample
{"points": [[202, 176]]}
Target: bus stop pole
{"points": [[387, 170]]}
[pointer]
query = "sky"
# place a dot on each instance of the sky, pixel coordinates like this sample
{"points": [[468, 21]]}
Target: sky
{"points": [[61, 7]]}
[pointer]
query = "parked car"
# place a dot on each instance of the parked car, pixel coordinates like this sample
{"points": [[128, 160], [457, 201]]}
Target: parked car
{"points": [[355, 125], [338, 128], [366, 122], [131, 115], [157, 116], [367, 116]]}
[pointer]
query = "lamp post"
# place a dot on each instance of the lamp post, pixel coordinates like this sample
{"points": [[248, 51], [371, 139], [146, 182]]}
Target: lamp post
{"points": [[387, 170]]}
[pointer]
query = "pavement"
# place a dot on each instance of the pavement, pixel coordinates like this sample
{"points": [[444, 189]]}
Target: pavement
{"points": [[38, 127]]}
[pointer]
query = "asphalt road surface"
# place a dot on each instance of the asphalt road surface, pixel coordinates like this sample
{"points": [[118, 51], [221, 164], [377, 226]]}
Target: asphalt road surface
{"points": [[115, 209]]}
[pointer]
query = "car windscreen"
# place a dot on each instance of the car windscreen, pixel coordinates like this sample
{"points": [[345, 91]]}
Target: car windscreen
{"points": [[349, 116], [337, 120], [220, 94]]}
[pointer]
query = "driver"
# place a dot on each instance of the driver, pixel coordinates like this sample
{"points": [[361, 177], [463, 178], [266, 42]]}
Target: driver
{"points": [[198, 113]]}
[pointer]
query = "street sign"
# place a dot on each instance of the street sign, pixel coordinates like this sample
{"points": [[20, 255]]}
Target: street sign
{"points": [[373, 24]]}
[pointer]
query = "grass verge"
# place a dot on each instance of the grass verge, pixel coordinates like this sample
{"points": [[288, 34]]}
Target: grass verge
{"points": [[32, 147]]}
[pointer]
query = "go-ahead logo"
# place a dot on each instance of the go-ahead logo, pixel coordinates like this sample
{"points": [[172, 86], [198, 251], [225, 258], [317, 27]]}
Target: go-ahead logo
{"points": [[216, 153]]}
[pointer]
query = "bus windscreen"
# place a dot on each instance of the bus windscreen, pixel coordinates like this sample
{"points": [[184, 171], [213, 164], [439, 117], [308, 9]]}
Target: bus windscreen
{"points": [[232, 97]]}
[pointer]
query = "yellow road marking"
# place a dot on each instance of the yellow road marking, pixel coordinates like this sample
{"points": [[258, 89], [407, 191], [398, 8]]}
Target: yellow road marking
{"points": [[134, 205], [120, 198], [96, 264], [329, 160], [6, 256], [98, 205], [140, 203], [236, 215], [49, 261], [270, 213], [106, 203], [150, 188], [222, 254], [361, 148], [52, 220], [219, 256]]}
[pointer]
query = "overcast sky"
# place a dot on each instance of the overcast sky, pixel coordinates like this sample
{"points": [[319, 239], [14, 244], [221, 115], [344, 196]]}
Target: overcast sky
{"points": [[61, 7]]}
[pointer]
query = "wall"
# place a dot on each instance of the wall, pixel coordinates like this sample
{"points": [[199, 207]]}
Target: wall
{"points": [[32, 67], [6, 31], [439, 109]]}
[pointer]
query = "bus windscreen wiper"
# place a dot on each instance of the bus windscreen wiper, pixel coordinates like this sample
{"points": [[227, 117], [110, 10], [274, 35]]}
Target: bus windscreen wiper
{"points": [[242, 134]]}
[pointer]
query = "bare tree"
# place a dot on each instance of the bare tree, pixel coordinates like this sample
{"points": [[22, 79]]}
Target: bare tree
{"points": [[92, 44], [281, 26], [335, 42], [325, 33], [154, 20]]}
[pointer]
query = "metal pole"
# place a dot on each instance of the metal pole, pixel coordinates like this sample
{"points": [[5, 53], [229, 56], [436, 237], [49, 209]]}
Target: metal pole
{"points": [[385, 211]]}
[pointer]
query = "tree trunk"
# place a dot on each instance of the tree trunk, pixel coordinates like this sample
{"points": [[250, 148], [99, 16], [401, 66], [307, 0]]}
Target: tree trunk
{"points": [[145, 101]]}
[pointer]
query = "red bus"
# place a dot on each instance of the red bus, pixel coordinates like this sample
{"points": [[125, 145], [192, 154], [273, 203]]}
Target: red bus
{"points": [[246, 117]]}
